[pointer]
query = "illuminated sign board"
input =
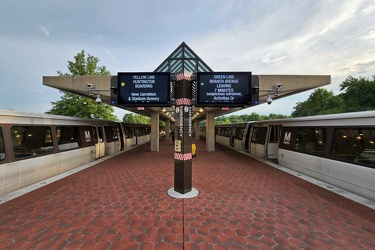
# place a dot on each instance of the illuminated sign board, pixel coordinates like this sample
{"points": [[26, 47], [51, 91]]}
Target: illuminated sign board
{"points": [[144, 89], [224, 89]]}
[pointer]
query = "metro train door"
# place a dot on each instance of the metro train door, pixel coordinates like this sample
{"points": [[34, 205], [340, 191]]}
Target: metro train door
{"points": [[232, 136], [133, 131], [99, 141], [135, 136], [246, 138], [121, 136], [272, 142]]}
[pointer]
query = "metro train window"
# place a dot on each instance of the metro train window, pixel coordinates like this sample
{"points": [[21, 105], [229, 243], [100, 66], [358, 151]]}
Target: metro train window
{"points": [[2, 146], [311, 141], [128, 132], [354, 144], [228, 132], [100, 134], [274, 134], [140, 131], [68, 138], [95, 134], [217, 131], [259, 135], [111, 133], [221, 131], [240, 133], [148, 130], [31, 140]]}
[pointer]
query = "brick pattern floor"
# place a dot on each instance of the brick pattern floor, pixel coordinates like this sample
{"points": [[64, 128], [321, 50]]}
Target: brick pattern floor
{"points": [[122, 203]]}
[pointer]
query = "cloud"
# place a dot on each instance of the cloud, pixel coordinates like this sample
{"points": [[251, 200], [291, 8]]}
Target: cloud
{"points": [[266, 37], [368, 10], [45, 31], [369, 35], [268, 60]]}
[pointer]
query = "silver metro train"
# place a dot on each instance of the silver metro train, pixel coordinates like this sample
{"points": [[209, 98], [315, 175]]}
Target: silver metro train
{"points": [[338, 149], [34, 147]]}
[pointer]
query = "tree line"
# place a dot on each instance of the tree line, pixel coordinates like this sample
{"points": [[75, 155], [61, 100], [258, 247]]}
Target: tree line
{"points": [[357, 94], [245, 118]]}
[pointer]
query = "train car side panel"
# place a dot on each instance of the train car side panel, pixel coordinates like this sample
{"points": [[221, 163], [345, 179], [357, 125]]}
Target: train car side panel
{"points": [[19, 174], [339, 154], [71, 159], [143, 133], [223, 134], [357, 179], [34, 147]]}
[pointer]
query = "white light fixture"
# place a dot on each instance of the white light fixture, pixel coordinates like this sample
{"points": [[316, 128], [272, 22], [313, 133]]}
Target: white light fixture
{"points": [[98, 100], [269, 100]]}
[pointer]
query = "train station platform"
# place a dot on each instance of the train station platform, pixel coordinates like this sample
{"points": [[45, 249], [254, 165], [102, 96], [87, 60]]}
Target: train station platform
{"points": [[243, 203]]}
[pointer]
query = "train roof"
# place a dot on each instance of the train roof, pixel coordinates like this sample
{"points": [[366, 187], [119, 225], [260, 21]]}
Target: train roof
{"points": [[234, 124], [340, 116], [15, 117], [317, 118], [24, 115]]}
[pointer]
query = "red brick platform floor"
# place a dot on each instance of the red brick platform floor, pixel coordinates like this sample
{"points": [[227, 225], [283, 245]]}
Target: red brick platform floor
{"points": [[122, 203]]}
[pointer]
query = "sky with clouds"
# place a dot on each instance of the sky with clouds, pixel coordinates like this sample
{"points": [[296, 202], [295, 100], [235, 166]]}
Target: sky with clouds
{"points": [[309, 37]]}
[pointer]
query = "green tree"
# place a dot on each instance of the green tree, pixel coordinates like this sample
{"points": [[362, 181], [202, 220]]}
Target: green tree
{"points": [[136, 118], [321, 101], [358, 94], [277, 116], [78, 106], [252, 117], [246, 118], [235, 119], [220, 120], [85, 66]]}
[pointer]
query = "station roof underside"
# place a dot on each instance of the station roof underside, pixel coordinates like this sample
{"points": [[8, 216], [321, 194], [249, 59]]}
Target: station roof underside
{"points": [[183, 60]]}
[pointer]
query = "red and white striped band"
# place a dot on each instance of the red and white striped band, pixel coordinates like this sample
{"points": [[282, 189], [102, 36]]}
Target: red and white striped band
{"points": [[183, 101], [182, 76], [182, 157]]}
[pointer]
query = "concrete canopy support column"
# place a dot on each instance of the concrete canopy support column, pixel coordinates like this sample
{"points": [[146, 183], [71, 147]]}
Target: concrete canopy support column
{"points": [[196, 127], [210, 132], [154, 131], [167, 128]]}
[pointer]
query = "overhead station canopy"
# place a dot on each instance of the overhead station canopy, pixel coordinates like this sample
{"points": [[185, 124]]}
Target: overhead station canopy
{"points": [[184, 60]]}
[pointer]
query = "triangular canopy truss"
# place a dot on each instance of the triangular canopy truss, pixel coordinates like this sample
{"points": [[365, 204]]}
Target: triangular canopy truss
{"points": [[183, 59]]}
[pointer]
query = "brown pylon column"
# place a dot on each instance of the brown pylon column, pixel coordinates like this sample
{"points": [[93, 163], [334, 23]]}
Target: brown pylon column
{"points": [[183, 137]]}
